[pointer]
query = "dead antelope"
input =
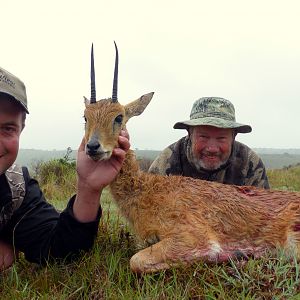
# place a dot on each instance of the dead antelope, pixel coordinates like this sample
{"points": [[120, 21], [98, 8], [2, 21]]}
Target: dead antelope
{"points": [[184, 219]]}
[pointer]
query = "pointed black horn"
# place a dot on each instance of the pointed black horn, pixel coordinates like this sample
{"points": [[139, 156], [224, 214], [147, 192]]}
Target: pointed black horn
{"points": [[115, 83], [93, 85]]}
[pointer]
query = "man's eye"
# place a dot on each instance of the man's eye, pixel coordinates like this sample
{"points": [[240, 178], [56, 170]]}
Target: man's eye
{"points": [[223, 138], [9, 129], [119, 119]]}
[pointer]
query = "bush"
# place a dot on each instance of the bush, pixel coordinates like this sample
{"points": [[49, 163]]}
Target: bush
{"points": [[55, 171], [57, 177]]}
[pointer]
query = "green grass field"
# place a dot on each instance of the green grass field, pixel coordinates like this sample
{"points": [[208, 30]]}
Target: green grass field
{"points": [[104, 272]]}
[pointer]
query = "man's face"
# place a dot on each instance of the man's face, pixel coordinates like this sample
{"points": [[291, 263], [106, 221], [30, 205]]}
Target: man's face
{"points": [[210, 146], [11, 120]]}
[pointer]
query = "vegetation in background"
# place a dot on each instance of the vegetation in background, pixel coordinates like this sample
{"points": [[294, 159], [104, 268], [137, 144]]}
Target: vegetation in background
{"points": [[104, 272], [287, 178], [57, 178]]}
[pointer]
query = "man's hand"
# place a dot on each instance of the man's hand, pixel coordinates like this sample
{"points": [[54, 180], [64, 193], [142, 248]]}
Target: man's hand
{"points": [[97, 174], [7, 255], [93, 176]]}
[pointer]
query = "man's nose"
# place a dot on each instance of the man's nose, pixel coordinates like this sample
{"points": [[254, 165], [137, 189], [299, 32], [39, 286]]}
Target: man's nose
{"points": [[212, 146]]}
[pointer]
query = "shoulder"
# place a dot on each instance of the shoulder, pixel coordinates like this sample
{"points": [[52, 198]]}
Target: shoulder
{"points": [[252, 166], [246, 153], [163, 160], [245, 159], [15, 176]]}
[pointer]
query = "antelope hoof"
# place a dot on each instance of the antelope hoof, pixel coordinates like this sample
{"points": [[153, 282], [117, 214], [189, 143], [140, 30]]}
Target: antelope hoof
{"points": [[139, 266]]}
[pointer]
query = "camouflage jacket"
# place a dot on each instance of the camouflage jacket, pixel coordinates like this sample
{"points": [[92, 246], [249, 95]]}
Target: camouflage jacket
{"points": [[15, 180], [244, 167]]}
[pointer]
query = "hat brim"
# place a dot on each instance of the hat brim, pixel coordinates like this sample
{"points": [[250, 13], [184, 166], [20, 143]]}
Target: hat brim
{"points": [[216, 122]]}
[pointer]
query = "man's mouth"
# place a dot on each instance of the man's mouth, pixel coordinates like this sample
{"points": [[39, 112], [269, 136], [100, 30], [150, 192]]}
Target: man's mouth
{"points": [[211, 157]]}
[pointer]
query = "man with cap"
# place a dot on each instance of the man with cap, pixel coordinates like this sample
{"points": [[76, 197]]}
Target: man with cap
{"points": [[27, 222], [210, 151]]}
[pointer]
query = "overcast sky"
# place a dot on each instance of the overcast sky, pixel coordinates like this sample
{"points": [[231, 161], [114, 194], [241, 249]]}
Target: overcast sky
{"points": [[245, 51]]}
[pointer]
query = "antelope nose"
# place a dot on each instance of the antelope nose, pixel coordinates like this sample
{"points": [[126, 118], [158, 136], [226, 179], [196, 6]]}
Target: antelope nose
{"points": [[93, 146]]}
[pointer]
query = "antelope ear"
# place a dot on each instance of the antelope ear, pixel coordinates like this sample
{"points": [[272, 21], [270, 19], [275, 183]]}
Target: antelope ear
{"points": [[86, 101], [135, 108]]}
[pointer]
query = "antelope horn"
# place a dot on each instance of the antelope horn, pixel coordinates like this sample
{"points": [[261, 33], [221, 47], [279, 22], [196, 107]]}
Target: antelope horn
{"points": [[115, 83], [93, 86]]}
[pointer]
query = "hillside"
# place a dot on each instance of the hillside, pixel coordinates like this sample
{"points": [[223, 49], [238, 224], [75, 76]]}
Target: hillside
{"points": [[278, 161], [277, 151], [273, 158], [27, 157]]}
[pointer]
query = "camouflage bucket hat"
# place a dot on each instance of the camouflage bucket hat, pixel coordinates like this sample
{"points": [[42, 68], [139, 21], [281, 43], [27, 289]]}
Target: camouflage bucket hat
{"points": [[14, 87], [213, 111]]}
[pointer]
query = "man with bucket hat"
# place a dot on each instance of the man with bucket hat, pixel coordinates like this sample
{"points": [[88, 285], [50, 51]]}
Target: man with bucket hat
{"points": [[27, 222], [210, 151]]}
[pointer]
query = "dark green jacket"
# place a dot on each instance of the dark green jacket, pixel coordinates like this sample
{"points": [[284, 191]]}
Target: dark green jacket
{"points": [[244, 167], [34, 226]]}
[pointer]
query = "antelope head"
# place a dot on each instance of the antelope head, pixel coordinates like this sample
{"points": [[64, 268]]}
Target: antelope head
{"points": [[104, 119]]}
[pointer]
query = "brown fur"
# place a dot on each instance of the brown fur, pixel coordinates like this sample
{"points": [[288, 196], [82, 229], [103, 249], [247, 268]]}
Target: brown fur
{"points": [[185, 219]]}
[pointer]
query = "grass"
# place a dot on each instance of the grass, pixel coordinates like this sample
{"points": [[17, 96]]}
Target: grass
{"points": [[285, 179], [104, 272]]}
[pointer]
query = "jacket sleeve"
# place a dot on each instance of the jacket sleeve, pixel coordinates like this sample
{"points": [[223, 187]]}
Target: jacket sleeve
{"points": [[41, 232]]}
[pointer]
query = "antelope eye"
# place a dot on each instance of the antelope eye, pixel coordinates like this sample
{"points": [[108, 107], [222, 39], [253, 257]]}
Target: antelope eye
{"points": [[85, 119], [119, 119]]}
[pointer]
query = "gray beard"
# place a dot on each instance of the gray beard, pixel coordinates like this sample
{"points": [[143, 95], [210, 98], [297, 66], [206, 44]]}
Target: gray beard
{"points": [[200, 165]]}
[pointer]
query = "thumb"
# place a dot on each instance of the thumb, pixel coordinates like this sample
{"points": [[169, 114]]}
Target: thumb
{"points": [[82, 145]]}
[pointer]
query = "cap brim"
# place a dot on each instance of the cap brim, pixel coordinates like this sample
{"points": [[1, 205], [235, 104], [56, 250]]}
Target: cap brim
{"points": [[216, 122], [16, 100], [23, 105]]}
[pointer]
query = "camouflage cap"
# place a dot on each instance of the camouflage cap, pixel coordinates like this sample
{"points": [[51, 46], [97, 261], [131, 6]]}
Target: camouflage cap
{"points": [[14, 87], [213, 111]]}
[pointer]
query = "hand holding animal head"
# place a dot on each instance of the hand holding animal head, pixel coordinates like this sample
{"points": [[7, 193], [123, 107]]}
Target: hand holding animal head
{"points": [[107, 117]]}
